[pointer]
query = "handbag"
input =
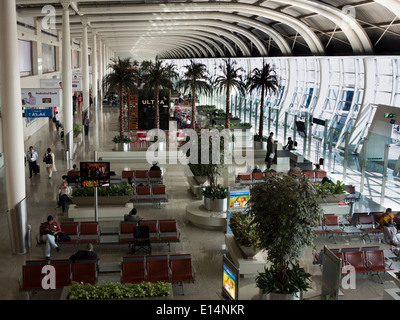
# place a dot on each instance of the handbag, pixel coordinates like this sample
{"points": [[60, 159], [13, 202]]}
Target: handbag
{"points": [[61, 236]]}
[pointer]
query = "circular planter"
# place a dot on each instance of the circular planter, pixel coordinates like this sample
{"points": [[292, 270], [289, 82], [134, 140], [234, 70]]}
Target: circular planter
{"points": [[122, 147], [217, 205], [278, 296], [200, 179], [261, 145]]}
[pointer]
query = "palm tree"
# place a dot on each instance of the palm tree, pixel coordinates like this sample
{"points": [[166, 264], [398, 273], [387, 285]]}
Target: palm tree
{"points": [[195, 79], [155, 77], [230, 79], [266, 81], [122, 78]]}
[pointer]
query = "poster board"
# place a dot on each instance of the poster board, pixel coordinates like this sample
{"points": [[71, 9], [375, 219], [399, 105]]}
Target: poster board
{"points": [[238, 198], [331, 275], [57, 84], [40, 98], [230, 279]]}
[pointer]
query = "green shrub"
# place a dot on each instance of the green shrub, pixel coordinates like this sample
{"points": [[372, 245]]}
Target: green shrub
{"points": [[86, 291], [113, 190]]}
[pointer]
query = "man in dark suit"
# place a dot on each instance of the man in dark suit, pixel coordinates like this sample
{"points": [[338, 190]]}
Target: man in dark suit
{"points": [[87, 254], [270, 148]]}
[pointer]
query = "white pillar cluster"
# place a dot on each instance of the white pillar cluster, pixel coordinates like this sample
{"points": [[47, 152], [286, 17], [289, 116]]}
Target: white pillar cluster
{"points": [[85, 65]]}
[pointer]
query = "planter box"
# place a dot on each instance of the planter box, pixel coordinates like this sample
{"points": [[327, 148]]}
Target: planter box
{"points": [[122, 147], [64, 295], [260, 145], [200, 179], [101, 201], [331, 199], [217, 205]]}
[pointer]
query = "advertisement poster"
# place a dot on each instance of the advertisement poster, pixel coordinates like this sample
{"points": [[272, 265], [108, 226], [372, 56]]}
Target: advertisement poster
{"points": [[229, 281], [57, 84], [40, 97], [239, 199]]}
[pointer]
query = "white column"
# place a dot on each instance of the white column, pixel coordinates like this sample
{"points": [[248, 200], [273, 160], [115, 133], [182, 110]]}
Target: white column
{"points": [[67, 82], [85, 66], [12, 126], [101, 69], [94, 63]]}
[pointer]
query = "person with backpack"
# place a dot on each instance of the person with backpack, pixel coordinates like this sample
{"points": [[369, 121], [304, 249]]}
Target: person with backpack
{"points": [[49, 159]]}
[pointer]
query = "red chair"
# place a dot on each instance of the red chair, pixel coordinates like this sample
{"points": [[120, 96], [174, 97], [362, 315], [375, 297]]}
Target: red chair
{"points": [[157, 268], [133, 270], [257, 177], [153, 229], [320, 229], [159, 194], [126, 231], [141, 176], [245, 179], [319, 175], [89, 232], [143, 193], [332, 226], [181, 269], [366, 224], [72, 230], [356, 260], [84, 271], [169, 231], [63, 272], [310, 175], [155, 176], [32, 276], [128, 174], [375, 260]]}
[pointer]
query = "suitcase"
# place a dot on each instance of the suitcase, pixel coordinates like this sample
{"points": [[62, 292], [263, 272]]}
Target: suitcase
{"points": [[38, 168]]}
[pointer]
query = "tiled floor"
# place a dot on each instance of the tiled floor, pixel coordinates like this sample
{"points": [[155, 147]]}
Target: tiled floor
{"points": [[206, 246]]}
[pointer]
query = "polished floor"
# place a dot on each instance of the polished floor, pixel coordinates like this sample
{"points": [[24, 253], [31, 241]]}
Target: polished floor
{"points": [[206, 247]]}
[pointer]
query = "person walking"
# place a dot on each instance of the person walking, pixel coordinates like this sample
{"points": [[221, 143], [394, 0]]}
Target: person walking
{"points": [[86, 123], [49, 158], [32, 156]]}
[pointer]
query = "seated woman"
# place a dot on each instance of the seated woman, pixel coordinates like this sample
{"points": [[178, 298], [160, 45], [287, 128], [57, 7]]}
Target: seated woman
{"points": [[64, 193], [387, 224]]}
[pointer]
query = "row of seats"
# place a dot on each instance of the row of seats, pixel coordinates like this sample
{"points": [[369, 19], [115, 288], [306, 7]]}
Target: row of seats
{"points": [[318, 256], [367, 260], [175, 268], [65, 272], [79, 232], [150, 193], [160, 231], [365, 223], [142, 176], [248, 179]]}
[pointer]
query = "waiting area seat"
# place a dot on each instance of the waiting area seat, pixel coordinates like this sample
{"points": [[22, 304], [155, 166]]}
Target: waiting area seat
{"points": [[133, 269], [182, 270]]}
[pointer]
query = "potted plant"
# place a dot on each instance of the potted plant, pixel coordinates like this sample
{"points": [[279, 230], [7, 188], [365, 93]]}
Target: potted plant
{"points": [[260, 142], [244, 233], [332, 192], [216, 198], [284, 211], [122, 143]]}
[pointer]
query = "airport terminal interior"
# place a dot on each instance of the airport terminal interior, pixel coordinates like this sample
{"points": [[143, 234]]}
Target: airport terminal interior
{"points": [[336, 62]]}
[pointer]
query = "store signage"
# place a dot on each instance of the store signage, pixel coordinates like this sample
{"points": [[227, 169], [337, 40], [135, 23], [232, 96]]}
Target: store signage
{"points": [[38, 113]]}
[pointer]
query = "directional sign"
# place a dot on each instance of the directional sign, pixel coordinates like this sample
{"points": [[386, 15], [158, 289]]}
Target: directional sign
{"points": [[38, 113]]}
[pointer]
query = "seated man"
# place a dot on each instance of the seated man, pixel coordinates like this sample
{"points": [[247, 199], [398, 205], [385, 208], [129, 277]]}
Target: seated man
{"points": [[48, 232], [86, 254], [154, 166], [131, 216], [256, 169]]}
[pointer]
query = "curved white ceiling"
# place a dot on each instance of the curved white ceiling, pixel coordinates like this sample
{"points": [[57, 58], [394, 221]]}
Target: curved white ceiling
{"points": [[209, 28]]}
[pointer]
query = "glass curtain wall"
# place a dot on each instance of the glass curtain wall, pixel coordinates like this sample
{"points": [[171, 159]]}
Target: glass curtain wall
{"points": [[339, 90]]}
